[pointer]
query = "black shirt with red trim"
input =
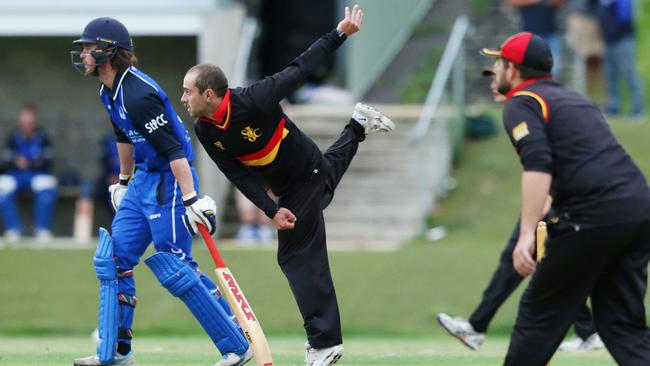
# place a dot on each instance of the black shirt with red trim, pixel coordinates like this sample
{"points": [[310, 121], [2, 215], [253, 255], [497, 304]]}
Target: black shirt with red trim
{"points": [[557, 131], [252, 140]]}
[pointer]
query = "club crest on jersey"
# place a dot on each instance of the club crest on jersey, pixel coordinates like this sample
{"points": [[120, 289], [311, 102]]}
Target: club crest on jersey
{"points": [[122, 112], [251, 134], [219, 145], [520, 131]]}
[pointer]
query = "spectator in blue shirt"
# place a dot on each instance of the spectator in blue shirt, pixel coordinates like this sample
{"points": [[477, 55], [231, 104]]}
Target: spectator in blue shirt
{"points": [[540, 17], [28, 167], [616, 19]]}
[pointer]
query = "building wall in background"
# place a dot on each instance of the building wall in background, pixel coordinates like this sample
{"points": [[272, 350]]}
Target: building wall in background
{"points": [[38, 70], [387, 24]]}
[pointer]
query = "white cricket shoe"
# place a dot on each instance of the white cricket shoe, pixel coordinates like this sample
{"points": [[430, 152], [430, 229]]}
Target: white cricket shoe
{"points": [[461, 329], [593, 343], [43, 236], [572, 344], [12, 236], [246, 234], [371, 119], [323, 356], [578, 344], [265, 234], [233, 359], [126, 360]]}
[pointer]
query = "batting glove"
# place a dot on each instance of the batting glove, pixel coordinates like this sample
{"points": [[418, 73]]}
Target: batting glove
{"points": [[199, 211], [118, 190]]}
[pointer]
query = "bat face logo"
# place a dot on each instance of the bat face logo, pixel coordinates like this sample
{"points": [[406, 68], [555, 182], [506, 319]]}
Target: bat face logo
{"points": [[243, 304], [251, 134]]}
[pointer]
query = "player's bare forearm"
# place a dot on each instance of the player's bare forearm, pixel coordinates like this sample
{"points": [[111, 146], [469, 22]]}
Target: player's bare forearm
{"points": [[183, 174], [535, 187], [125, 153]]}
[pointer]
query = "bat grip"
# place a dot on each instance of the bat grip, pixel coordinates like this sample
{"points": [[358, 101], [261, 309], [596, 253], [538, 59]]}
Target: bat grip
{"points": [[540, 239], [216, 257]]}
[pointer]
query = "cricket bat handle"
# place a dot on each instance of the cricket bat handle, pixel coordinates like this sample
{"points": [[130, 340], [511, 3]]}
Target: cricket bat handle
{"points": [[216, 257], [541, 234], [239, 305]]}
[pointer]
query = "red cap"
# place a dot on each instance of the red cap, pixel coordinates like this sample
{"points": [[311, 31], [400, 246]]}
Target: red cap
{"points": [[524, 49]]}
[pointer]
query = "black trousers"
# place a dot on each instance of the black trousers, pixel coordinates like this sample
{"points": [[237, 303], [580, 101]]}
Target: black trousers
{"points": [[302, 251], [608, 264], [503, 283]]}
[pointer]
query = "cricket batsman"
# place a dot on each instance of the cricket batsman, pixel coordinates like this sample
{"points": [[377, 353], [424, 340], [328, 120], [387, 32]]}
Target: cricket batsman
{"points": [[155, 200]]}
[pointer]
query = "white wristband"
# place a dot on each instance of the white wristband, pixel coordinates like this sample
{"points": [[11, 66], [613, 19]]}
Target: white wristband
{"points": [[189, 196], [124, 179]]}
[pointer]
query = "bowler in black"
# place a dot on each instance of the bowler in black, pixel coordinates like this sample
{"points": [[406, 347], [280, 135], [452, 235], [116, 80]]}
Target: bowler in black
{"points": [[257, 146]]}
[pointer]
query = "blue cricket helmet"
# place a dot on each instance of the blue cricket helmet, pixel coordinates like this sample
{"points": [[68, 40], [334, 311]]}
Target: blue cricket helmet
{"points": [[109, 35], [106, 31]]}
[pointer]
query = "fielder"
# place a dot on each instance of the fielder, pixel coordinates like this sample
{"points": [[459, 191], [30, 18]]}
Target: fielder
{"points": [[256, 145], [599, 233], [503, 283], [158, 203]]}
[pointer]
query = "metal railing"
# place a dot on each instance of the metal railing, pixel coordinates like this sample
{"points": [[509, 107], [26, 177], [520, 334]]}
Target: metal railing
{"points": [[249, 28], [219, 191], [452, 65], [384, 34]]}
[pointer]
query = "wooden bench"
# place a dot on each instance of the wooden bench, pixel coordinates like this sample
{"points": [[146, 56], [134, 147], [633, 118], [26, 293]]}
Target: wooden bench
{"points": [[64, 212]]}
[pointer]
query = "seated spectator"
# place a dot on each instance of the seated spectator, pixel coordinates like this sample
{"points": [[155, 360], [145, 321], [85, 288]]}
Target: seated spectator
{"points": [[28, 167], [254, 226]]}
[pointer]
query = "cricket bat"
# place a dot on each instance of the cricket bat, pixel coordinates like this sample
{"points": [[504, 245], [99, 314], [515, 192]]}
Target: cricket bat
{"points": [[541, 240], [239, 305]]}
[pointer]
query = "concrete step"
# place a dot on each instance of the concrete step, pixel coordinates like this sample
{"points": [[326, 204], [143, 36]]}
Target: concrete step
{"points": [[352, 197], [354, 230], [377, 199], [370, 217]]}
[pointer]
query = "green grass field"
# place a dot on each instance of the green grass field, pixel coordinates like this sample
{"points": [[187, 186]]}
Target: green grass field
{"points": [[193, 351], [388, 300]]}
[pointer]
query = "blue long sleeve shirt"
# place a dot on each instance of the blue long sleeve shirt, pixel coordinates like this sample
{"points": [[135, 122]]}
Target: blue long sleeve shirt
{"points": [[143, 116]]}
